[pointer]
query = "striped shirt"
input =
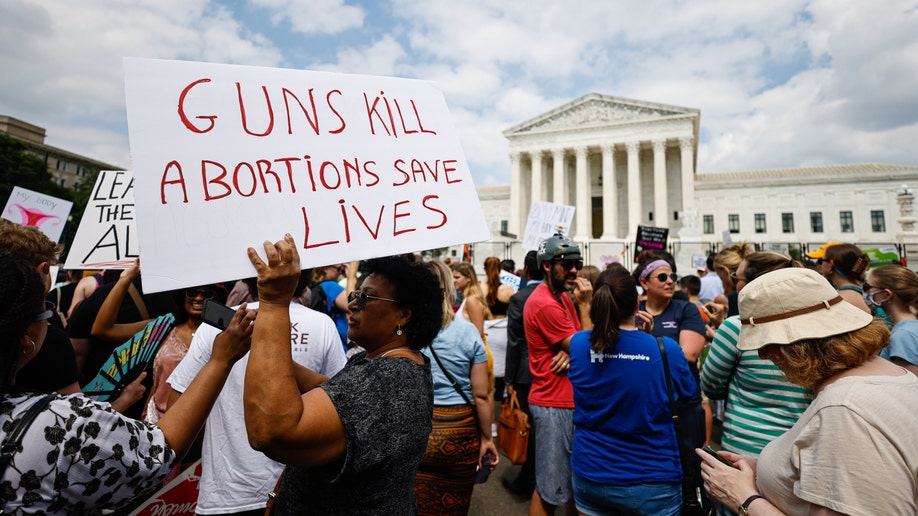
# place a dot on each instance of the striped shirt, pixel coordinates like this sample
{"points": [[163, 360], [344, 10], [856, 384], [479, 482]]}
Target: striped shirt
{"points": [[761, 403]]}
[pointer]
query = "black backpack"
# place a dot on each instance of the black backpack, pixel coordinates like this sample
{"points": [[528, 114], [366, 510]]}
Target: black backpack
{"points": [[318, 301]]}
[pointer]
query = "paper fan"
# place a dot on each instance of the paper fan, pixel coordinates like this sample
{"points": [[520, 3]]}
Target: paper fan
{"points": [[128, 360]]}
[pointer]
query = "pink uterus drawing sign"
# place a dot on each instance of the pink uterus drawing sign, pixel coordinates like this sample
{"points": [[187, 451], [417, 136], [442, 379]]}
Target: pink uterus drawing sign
{"points": [[30, 208]]}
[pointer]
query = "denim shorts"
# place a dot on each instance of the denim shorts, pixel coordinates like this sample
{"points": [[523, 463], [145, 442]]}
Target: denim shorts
{"points": [[553, 440], [594, 499]]}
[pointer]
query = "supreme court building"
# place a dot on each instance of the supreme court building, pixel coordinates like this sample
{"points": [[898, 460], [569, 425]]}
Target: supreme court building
{"points": [[623, 163]]}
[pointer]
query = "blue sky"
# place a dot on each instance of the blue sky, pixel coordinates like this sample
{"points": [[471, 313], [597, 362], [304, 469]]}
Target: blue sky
{"points": [[783, 83]]}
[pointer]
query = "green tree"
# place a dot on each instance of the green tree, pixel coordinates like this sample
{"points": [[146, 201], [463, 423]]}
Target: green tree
{"points": [[19, 167]]}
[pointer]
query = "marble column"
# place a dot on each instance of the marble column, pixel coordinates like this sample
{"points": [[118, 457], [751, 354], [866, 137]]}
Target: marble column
{"points": [[634, 187], [609, 194], [583, 211], [536, 186], [558, 179], [689, 234], [516, 186], [660, 207], [686, 146]]}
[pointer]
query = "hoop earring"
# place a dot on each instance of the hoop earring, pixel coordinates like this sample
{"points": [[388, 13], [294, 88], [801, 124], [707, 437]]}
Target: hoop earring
{"points": [[29, 352], [399, 330]]}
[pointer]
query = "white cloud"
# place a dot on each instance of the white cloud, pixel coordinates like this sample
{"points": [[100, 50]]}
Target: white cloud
{"points": [[314, 16], [780, 83]]}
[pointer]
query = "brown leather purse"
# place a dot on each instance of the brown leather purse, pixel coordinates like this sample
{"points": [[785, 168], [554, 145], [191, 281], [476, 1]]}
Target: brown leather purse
{"points": [[512, 429]]}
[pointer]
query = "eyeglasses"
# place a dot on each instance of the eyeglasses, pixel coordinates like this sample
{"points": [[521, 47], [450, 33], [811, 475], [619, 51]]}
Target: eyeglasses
{"points": [[570, 263], [819, 261], [736, 279], [361, 298], [662, 277], [205, 293], [47, 313]]}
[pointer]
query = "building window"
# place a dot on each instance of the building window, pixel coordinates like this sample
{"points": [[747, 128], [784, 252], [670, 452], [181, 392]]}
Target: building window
{"points": [[504, 225], [708, 222], [846, 220], [787, 222], [760, 223], [733, 222], [816, 221], [878, 221], [61, 165]]}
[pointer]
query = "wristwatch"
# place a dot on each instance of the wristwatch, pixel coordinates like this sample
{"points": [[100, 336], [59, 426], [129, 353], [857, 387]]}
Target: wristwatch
{"points": [[744, 508]]}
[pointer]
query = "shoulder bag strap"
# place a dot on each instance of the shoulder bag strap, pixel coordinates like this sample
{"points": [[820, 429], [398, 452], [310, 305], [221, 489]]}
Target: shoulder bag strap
{"points": [[14, 438], [272, 496], [669, 385], [138, 302], [452, 381]]}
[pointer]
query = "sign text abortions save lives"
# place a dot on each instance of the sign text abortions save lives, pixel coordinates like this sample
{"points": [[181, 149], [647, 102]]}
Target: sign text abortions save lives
{"points": [[227, 156]]}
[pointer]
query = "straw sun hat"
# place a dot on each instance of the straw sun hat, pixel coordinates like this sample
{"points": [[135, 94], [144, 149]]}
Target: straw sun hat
{"points": [[787, 305]]}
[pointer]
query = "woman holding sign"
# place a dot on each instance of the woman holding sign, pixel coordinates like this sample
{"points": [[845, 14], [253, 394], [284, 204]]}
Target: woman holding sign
{"points": [[75, 453], [354, 444]]}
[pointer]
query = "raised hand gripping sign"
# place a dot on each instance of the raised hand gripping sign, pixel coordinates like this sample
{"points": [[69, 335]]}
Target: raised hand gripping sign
{"points": [[226, 156]]}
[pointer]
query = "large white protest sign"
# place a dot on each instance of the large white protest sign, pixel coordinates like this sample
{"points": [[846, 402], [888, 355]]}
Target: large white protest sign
{"points": [[544, 220], [107, 236], [48, 214], [227, 156]]}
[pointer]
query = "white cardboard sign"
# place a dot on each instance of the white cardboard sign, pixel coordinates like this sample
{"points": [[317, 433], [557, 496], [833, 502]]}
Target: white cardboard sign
{"points": [[228, 156], [544, 220], [511, 279], [107, 236], [48, 214]]}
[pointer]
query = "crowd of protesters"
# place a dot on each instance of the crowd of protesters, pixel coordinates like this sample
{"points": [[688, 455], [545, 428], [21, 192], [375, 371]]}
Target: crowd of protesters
{"points": [[371, 387]]}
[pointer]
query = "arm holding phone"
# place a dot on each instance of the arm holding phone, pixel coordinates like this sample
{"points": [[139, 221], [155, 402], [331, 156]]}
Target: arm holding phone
{"points": [[733, 485]]}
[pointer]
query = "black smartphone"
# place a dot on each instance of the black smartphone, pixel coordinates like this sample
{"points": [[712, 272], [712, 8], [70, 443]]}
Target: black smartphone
{"points": [[217, 314], [485, 470], [716, 455]]}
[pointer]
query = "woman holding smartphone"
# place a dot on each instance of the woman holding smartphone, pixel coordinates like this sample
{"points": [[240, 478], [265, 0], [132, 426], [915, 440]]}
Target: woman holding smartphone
{"points": [[853, 451], [625, 456]]}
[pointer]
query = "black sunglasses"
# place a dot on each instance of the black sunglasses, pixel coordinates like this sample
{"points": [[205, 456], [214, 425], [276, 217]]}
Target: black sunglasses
{"points": [[205, 293], [571, 263], [361, 298], [662, 277]]}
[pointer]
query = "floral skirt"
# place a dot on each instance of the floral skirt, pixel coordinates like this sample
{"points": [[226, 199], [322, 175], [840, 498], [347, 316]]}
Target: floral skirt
{"points": [[446, 477]]}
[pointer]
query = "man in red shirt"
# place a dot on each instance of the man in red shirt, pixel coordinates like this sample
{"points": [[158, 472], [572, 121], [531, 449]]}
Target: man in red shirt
{"points": [[550, 320]]}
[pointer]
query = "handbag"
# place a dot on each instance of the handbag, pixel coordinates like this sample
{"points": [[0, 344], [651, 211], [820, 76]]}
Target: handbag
{"points": [[13, 439], [513, 429], [686, 420]]}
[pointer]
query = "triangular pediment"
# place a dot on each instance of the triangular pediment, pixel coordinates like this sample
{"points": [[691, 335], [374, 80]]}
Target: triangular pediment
{"points": [[595, 110]]}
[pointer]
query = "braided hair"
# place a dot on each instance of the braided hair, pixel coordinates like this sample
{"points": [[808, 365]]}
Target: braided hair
{"points": [[21, 300]]}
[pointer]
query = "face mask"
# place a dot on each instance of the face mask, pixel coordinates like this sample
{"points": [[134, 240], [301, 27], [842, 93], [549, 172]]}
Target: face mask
{"points": [[872, 302]]}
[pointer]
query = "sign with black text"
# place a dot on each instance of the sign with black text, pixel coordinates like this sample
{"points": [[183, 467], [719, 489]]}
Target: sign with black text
{"points": [[650, 238], [107, 236]]}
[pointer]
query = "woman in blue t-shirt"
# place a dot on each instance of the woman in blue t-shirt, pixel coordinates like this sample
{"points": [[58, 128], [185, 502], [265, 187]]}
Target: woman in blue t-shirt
{"points": [[894, 288], [625, 456]]}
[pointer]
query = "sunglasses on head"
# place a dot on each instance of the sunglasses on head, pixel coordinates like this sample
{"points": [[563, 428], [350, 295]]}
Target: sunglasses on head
{"points": [[205, 293], [361, 298], [46, 314], [662, 277], [570, 263]]}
